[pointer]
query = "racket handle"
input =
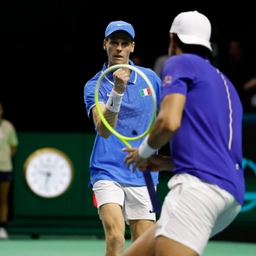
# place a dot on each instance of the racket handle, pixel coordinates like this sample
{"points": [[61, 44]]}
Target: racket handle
{"points": [[152, 192]]}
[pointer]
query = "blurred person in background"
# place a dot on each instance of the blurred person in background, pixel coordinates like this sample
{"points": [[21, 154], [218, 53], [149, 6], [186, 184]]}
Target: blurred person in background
{"points": [[8, 146], [249, 95], [159, 62], [238, 64], [137, 60]]}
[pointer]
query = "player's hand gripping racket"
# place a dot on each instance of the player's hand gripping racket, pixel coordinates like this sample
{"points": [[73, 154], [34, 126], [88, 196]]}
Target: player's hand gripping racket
{"points": [[144, 109]]}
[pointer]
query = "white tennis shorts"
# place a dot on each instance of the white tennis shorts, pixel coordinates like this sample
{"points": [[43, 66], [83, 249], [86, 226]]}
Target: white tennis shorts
{"points": [[194, 211], [135, 200]]}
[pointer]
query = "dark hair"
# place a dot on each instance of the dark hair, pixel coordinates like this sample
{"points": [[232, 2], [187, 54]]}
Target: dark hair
{"points": [[193, 48]]}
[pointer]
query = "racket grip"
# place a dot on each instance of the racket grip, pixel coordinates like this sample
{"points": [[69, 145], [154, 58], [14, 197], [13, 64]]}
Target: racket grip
{"points": [[152, 192]]}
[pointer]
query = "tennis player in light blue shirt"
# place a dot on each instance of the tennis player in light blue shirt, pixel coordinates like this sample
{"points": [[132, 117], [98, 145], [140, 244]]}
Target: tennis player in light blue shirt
{"points": [[201, 118], [133, 119], [125, 101]]}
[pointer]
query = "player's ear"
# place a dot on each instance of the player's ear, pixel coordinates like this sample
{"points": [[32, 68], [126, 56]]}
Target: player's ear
{"points": [[104, 44], [172, 41], [133, 46]]}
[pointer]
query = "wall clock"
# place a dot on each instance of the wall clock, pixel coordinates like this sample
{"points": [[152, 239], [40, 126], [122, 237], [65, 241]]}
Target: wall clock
{"points": [[48, 172]]}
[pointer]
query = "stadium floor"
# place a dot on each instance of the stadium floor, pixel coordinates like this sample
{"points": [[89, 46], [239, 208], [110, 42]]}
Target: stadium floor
{"points": [[84, 246]]}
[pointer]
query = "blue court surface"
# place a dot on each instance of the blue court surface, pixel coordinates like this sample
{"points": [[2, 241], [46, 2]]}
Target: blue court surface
{"points": [[87, 246]]}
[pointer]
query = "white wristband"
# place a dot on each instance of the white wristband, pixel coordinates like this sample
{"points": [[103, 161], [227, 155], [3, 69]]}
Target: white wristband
{"points": [[145, 151], [114, 101]]}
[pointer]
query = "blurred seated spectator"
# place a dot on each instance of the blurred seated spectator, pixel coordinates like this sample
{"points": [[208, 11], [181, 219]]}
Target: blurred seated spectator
{"points": [[238, 65], [249, 95], [250, 84], [137, 60], [158, 64]]}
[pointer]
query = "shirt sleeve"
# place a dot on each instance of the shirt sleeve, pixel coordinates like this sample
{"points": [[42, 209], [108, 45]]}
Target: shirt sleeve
{"points": [[89, 100], [177, 75]]}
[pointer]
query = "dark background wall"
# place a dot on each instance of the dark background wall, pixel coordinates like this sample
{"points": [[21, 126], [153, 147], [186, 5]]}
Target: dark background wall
{"points": [[49, 49]]}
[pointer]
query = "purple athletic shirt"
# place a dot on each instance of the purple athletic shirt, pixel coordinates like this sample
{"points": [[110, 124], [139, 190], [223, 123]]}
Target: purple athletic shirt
{"points": [[208, 144]]}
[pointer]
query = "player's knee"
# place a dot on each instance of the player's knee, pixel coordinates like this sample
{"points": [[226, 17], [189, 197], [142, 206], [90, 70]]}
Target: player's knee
{"points": [[115, 239]]}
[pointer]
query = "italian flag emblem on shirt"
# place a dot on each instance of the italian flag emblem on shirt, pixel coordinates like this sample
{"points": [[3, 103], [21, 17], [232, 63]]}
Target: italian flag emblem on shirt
{"points": [[145, 92]]}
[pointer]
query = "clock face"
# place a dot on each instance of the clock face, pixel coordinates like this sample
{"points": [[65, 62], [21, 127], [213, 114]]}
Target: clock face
{"points": [[48, 172]]}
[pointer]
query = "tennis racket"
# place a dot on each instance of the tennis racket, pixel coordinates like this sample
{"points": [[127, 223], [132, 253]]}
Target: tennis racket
{"points": [[139, 106]]}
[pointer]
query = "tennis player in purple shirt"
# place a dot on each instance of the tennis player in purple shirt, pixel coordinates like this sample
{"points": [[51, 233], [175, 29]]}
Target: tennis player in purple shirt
{"points": [[201, 117]]}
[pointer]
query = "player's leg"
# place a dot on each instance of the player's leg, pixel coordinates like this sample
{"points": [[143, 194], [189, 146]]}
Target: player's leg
{"points": [[137, 210], [143, 245], [138, 227], [147, 245], [188, 216], [168, 247], [114, 228], [110, 198]]}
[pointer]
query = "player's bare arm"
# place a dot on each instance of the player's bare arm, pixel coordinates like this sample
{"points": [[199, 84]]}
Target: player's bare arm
{"points": [[121, 77], [166, 125], [155, 163]]}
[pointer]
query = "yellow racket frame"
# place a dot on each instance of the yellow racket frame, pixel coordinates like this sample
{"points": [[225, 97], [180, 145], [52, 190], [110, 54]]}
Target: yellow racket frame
{"points": [[124, 139]]}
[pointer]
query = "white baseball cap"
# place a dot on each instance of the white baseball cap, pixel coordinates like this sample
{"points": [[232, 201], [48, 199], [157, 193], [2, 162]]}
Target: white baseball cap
{"points": [[192, 27]]}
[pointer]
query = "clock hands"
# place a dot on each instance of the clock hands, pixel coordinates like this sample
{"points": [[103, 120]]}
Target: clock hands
{"points": [[45, 173], [48, 175]]}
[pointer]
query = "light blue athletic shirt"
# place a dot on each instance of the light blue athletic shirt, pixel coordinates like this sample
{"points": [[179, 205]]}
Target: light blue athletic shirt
{"points": [[107, 158], [208, 144]]}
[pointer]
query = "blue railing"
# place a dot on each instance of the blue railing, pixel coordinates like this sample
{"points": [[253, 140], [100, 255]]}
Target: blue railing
{"points": [[249, 118]]}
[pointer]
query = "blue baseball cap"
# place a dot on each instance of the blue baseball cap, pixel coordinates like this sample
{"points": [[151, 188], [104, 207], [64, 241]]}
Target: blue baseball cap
{"points": [[119, 25]]}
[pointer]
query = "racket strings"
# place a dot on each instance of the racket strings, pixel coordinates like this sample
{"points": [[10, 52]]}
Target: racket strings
{"points": [[136, 112]]}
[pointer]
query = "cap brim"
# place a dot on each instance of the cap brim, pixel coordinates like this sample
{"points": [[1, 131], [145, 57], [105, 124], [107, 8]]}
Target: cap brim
{"points": [[119, 30], [187, 39]]}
